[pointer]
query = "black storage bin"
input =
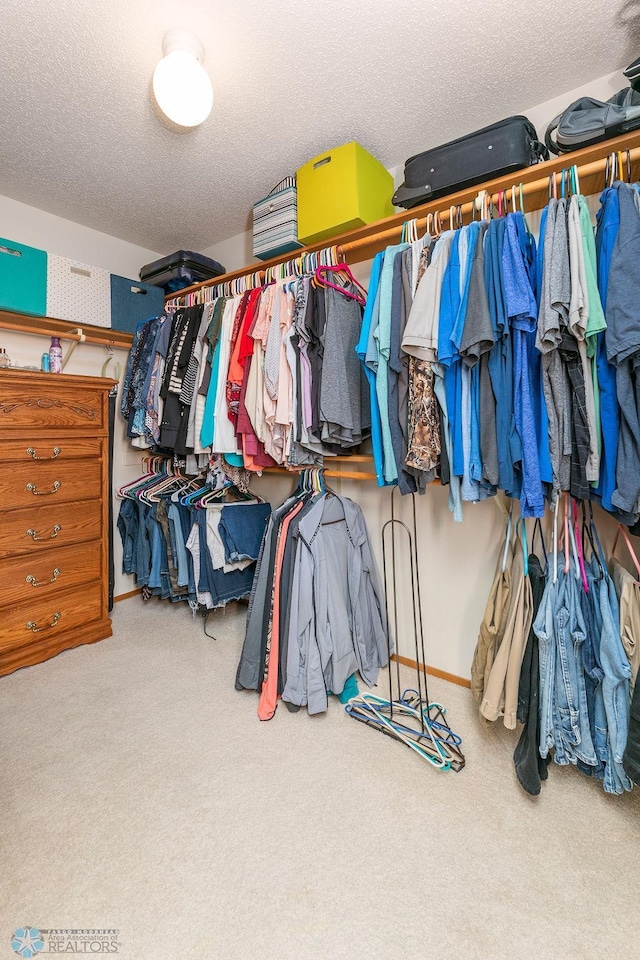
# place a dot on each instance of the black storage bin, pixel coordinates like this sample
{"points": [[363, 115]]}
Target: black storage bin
{"points": [[180, 269]]}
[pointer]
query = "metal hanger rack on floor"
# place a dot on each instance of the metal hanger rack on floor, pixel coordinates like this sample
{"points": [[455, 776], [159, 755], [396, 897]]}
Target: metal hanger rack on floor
{"points": [[408, 716]]}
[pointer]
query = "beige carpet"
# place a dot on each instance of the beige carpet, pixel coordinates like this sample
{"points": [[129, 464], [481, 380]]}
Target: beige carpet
{"points": [[140, 792]]}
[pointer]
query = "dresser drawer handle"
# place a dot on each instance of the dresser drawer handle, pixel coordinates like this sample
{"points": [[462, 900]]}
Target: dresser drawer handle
{"points": [[31, 487], [54, 533], [41, 583], [56, 453], [32, 625]]}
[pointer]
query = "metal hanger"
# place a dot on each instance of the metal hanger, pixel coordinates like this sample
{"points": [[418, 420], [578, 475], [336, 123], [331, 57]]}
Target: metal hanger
{"points": [[110, 358]]}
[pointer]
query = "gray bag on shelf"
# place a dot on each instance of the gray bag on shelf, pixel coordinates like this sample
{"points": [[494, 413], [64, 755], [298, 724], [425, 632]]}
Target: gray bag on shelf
{"points": [[588, 120]]}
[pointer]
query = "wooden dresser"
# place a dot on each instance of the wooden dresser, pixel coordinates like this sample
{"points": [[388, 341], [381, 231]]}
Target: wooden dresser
{"points": [[54, 486]]}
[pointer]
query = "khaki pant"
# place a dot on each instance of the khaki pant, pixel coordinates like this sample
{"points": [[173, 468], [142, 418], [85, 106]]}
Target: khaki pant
{"points": [[628, 590], [501, 691], [492, 627]]}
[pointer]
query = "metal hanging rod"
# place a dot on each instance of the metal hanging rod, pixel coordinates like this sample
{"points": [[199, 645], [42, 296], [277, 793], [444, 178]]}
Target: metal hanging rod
{"points": [[363, 242]]}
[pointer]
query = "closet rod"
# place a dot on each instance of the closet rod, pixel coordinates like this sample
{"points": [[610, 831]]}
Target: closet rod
{"points": [[337, 474], [52, 327], [536, 191], [363, 242]]}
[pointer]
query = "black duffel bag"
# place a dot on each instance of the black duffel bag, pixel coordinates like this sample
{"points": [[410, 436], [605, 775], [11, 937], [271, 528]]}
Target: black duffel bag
{"points": [[491, 152]]}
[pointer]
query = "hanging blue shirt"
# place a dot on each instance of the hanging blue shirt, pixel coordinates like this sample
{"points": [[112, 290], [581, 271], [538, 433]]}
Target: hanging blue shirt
{"points": [[470, 398], [370, 366], [448, 354], [382, 333], [518, 261], [608, 221], [535, 373], [501, 363]]}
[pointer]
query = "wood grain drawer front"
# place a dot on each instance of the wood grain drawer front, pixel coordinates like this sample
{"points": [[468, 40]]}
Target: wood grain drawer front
{"points": [[34, 484], [49, 404], [48, 572], [56, 448], [44, 618], [50, 526]]}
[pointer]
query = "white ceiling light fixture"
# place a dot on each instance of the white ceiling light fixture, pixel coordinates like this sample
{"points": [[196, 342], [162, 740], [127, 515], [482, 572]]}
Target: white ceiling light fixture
{"points": [[181, 85]]}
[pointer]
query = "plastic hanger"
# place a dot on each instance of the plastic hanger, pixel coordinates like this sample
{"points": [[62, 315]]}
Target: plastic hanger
{"points": [[156, 470], [580, 550], [109, 359], [588, 532], [576, 179], [521, 531], [340, 268], [594, 532], [522, 210], [569, 541], [565, 534], [537, 528], [623, 530], [507, 538]]}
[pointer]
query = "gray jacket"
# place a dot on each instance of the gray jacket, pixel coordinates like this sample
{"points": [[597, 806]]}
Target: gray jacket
{"points": [[338, 623]]}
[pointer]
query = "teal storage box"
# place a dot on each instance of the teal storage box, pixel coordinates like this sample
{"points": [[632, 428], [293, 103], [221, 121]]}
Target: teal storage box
{"points": [[23, 278], [341, 189], [133, 301]]}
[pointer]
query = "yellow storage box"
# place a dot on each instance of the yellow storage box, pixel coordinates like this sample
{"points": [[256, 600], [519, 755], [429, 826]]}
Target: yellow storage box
{"points": [[339, 190]]}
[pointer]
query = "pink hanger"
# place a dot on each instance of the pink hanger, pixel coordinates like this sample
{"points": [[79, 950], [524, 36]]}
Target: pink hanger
{"points": [[340, 268]]}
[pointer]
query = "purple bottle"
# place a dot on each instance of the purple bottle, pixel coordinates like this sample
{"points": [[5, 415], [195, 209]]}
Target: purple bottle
{"points": [[55, 355]]}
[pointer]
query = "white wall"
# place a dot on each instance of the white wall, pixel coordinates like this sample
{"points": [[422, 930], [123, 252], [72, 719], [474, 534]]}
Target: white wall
{"points": [[233, 253], [457, 561], [25, 224]]}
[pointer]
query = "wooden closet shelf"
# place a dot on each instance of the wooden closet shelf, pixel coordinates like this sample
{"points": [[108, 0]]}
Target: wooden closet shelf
{"points": [[52, 327], [364, 242]]}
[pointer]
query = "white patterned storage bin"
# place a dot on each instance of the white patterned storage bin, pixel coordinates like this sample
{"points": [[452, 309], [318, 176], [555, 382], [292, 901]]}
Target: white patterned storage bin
{"points": [[78, 292]]}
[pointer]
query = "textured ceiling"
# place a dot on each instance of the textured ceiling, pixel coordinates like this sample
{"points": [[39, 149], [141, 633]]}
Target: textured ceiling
{"points": [[79, 136]]}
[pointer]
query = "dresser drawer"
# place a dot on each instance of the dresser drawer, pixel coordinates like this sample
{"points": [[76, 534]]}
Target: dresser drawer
{"points": [[48, 572], [43, 618], [34, 484], [49, 401], [56, 448], [51, 526]]}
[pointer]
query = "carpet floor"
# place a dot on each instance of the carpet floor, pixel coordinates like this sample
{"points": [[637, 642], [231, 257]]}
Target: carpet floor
{"points": [[140, 792]]}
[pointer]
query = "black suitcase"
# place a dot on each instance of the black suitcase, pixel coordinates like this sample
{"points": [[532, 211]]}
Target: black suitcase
{"points": [[497, 149], [180, 269]]}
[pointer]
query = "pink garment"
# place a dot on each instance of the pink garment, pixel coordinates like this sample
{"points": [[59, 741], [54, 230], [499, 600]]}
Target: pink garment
{"points": [[269, 695]]}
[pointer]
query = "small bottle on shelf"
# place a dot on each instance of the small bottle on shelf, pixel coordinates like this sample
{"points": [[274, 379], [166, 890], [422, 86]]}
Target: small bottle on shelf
{"points": [[4, 358], [55, 355]]}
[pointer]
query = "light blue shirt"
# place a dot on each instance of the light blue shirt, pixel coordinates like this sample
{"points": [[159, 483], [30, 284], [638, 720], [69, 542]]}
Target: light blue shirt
{"points": [[367, 351], [383, 337]]}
